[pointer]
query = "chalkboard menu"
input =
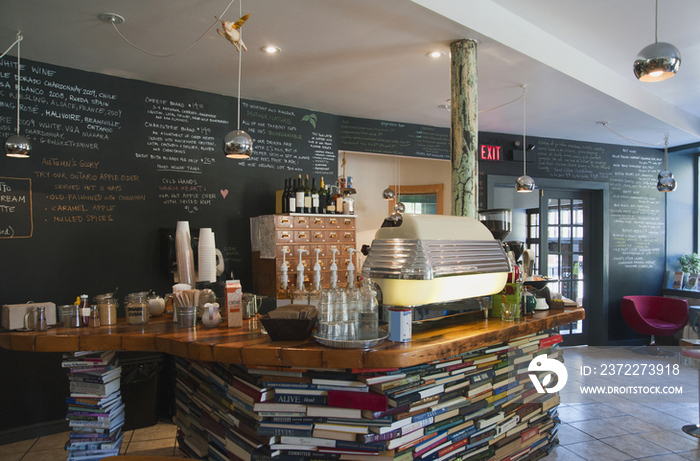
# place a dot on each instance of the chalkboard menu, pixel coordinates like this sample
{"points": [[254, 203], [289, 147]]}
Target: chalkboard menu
{"points": [[115, 160], [636, 231], [636, 206], [402, 139]]}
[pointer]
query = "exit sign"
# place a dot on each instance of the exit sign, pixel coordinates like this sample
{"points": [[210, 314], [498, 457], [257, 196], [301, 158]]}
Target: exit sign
{"points": [[490, 153]]}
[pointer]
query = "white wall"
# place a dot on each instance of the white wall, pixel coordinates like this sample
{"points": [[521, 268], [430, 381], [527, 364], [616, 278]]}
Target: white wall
{"points": [[372, 173]]}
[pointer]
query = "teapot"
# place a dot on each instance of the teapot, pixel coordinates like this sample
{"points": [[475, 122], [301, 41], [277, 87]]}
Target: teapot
{"points": [[156, 305], [211, 316]]}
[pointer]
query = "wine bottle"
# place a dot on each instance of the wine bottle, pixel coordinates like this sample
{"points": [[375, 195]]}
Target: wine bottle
{"points": [[322, 198], [315, 197], [338, 198], [330, 201], [307, 195], [300, 195], [285, 198], [292, 196]]}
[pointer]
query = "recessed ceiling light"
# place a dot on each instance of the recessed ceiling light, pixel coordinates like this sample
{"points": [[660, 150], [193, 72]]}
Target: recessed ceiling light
{"points": [[436, 54], [271, 49]]}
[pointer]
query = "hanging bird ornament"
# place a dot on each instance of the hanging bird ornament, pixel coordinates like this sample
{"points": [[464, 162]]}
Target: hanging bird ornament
{"points": [[231, 32]]}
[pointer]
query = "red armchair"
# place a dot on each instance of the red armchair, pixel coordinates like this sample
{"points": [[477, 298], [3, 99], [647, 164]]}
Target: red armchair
{"points": [[655, 316]]}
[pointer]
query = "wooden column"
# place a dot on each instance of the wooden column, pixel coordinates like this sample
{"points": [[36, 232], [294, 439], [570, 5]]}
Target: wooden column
{"points": [[464, 103]]}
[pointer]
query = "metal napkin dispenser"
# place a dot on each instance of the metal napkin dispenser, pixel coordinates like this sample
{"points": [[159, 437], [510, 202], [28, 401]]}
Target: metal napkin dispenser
{"points": [[430, 259]]}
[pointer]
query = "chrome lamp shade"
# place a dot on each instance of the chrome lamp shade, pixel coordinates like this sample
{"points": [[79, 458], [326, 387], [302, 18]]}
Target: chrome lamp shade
{"points": [[238, 144], [657, 62]]}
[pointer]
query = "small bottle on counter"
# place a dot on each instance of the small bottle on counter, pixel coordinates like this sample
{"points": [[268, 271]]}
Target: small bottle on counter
{"points": [[94, 317], [84, 311]]}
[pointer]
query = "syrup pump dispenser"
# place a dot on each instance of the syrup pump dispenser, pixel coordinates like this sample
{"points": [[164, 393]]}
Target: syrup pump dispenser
{"points": [[334, 269], [351, 270], [315, 292], [317, 272], [300, 293], [283, 291]]}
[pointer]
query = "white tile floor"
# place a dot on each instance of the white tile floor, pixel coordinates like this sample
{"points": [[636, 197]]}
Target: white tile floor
{"points": [[629, 426], [601, 427]]}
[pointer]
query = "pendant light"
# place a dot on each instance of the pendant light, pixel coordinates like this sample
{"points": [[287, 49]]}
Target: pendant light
{"points": [[658, 61], [524, 183], [18, 146], [237, 143], [666, 182], [389, 193]]}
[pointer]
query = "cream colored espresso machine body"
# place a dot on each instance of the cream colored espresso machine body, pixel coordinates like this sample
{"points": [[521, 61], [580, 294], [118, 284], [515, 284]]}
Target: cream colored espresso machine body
{"points": [[426, 259]]}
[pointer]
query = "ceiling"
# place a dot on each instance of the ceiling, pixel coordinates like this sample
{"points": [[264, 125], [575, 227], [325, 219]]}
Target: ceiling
{"points": [[367, 58]]}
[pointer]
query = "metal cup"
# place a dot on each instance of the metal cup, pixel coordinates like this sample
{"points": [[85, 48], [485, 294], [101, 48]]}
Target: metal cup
{"points": [[40, 319]]}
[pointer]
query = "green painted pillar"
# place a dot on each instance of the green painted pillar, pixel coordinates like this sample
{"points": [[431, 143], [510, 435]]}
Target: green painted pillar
{"points": [[465, 129]]}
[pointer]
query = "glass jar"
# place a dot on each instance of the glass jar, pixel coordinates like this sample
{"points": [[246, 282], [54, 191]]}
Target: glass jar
{"points": [[107, 307], [137, 312]]}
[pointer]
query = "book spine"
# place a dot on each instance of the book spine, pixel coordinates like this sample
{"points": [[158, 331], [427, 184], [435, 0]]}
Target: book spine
{"points": [[361, 401], [255, 394], [295, 419], [372, 437], [376, 446], [284, 432], [301, 399], [290, 385]]}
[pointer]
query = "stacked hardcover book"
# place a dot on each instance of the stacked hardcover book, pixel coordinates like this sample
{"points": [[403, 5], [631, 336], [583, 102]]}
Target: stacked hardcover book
{"points": [[480, 405], [95, 408]]}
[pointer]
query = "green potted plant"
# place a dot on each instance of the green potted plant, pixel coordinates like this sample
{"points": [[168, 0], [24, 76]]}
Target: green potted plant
{"points": [[690, 265]]}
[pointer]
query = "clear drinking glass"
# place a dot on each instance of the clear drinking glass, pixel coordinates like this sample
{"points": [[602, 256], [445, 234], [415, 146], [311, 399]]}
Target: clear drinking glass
{"points": [[508, 311]]}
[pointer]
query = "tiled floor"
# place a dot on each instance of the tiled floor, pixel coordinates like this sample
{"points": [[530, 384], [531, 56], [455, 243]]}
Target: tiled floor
{"points": [[629, 426], [158, 440], [604, 427]]}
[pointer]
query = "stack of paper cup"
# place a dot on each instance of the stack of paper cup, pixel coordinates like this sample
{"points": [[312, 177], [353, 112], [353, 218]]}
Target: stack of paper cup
{"points": [[206, 259], [184, 254]]}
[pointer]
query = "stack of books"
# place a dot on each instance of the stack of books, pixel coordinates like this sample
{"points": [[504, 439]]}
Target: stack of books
{"points": [[480, 405], [95, 408]]}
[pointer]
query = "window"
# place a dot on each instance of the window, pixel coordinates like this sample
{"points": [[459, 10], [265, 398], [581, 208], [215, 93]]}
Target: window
{"points": [[425, 199]]}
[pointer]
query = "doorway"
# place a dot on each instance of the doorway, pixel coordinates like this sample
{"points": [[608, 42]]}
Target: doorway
{"points": [[563, 243], [564, 226]]}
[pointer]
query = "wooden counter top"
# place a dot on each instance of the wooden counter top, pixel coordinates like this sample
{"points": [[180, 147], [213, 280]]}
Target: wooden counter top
{"points": [[248, 346]]}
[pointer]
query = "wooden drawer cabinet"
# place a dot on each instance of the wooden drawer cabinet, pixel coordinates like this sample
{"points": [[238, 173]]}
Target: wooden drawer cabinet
{"points": [[307, 232]]}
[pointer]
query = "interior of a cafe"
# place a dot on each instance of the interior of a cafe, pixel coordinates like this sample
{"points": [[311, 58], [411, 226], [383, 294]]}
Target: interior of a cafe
{"points": [[122, 121]]}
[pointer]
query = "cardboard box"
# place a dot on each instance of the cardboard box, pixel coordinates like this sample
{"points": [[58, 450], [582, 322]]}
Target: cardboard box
{"points": [[234, 312], [13, 314]]}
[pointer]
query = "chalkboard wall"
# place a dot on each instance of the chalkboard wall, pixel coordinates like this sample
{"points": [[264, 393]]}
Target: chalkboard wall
{"points": [[115, 160], [636, 231]]}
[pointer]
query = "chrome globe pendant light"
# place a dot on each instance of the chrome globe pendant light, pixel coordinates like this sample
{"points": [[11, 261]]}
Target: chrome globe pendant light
{"points": [[658, 61], [666, 183], [17, 145], [237, 143], [524, 183]]}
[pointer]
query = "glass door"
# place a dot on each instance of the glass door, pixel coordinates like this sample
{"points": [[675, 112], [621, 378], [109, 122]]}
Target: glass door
{"points": [[563, 247]]}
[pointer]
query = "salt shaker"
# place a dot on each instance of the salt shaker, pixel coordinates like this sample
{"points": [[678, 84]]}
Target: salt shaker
{"points": [[40, 319]]}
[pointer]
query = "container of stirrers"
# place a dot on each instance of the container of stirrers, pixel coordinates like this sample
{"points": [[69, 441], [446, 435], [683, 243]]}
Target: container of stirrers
{"points": [[186, 316], [185, 303]]}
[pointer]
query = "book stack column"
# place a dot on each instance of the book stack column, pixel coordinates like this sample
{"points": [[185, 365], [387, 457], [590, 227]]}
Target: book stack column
{"points": [[95, 408], [480, 405]]}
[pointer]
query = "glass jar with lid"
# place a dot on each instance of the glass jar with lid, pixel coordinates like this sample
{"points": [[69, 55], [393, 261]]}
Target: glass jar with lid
{"points": [[137, 312], [107, 306]]}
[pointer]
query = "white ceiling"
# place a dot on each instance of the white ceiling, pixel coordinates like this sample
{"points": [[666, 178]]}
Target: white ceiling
{"points": [[367, 58]]}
